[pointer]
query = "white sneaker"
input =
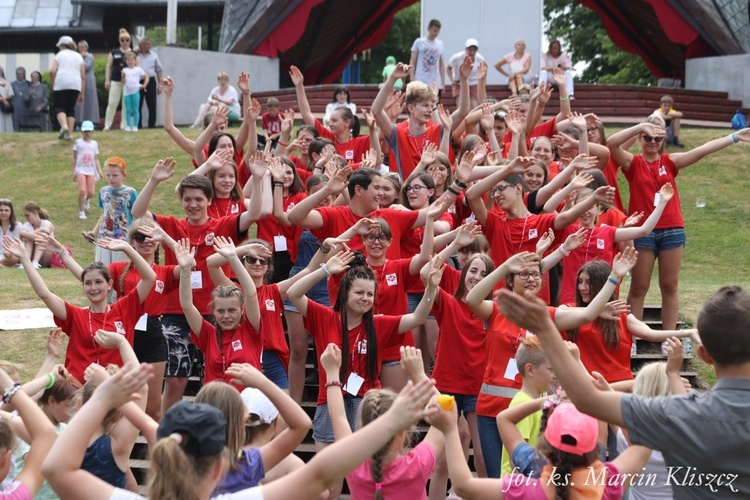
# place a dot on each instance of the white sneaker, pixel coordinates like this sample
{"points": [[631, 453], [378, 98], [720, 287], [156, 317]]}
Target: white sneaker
{"points": [[82, 216], [134, 129], [127, 129], [20, 266], [87, 205], [36, 264]]}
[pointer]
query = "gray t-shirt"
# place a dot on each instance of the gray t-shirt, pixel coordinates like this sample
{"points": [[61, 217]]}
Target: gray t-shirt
{"points": [[429, 53], [705, 438]]}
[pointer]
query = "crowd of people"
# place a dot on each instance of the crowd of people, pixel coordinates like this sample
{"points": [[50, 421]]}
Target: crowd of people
{"points": [[459, 267]]}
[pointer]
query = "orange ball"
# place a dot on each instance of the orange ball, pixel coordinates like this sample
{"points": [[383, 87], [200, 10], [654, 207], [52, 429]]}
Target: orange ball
{"points": [[446, 402]]}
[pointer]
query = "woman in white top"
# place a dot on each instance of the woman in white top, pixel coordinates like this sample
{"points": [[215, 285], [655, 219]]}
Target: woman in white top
{"points": [[223, 94], [519, 67], [341, 99], [6, 96], [556, 58], [68, 78], [9, 226]]}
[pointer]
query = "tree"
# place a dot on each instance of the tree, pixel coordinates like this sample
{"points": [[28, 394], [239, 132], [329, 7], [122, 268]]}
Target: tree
{"points": [[404, 30], [581, 31]]}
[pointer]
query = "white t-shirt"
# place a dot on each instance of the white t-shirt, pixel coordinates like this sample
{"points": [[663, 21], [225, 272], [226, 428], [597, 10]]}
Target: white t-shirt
{"points": [[86, 153], [457, 59], [13, 233], [69, 64], [44, 223], [429, 54], [132, 79], [229, 95], [248, 494]]}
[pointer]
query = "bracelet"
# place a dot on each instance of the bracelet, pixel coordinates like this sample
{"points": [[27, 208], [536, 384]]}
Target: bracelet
{"points": [[460, 184], [613, 280], [51, 380], [282, 144], [733, 138], [335, 383], [454, 190], [63, 253], [325, 269], [322, 248], [10, 392], [186, 276], [565, 98], [564, 251], [278, 184]]}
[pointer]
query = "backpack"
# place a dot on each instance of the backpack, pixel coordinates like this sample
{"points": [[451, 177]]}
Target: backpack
{"points": [[739, 121]]}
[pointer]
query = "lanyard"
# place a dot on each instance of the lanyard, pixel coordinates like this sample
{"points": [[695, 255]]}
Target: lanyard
{"points": [[91, 330]]}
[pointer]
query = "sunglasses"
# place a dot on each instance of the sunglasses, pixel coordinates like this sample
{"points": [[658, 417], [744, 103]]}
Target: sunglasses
{"points": [[124, 39], [252, 260], [648, 138], [139, 238]]}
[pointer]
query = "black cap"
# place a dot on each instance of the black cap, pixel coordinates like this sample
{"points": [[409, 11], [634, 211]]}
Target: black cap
{"points": [[202, 427]]}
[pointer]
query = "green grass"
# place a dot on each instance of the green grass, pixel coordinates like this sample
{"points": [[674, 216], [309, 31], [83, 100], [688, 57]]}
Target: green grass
{"points": [[38, 167]]}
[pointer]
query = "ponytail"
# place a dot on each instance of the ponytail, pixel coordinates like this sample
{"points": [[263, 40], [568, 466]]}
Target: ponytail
{"points": [[174, 474], [375, 403]]}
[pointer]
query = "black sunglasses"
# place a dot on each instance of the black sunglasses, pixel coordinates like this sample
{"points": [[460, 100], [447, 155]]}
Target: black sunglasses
{"points": [[139, 238], [648, 138], [252, 260]]}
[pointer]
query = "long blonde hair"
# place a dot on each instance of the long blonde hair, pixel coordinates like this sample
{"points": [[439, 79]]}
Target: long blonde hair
{"points": [[227, 400], [175, 474]]}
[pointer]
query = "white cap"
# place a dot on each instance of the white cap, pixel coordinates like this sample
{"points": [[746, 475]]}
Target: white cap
{"points": [[258, 404], [472, 42], [64, 40], [87, 126]]}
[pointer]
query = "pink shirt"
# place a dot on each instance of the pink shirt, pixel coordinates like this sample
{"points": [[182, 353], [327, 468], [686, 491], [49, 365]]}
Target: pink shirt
{"points": [[16, 491], [403, 479]]}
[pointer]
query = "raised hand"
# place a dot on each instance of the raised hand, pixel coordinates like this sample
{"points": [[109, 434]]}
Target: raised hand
{"points": [[581, 180], [339, 262], [520, 164], [576, 239], [288, 123], [624, 261], [436, 209], [256, 250], [545, 242], [666, 192], [614, 309], [185, 255], [243, 82], [296, 75], [369, 159], [652, 130], [114, 245], [366, 226], [482, 70], [429, 153], [277, 169], [573, 350], [14, 246], [224, 247], [493, 159], [605, 195], [219, 158], [154, 234], [49, 243], [124, 385], [445, 117], [396, 107], [167, 85], [487, 120], [634, 219], [221, 116], [253, 110], [400, 72], [520, 262], [411, 362], [434, 89], [369, 119], [246, 374], [467, 234], [578, 120], [163, 170], [465, 68], [109, 340], [95, 374], [257, 164], [515, 122], [437, 267], [465, 166], [330, 360], [54, 342], [546, 93], [339, 180], [559, 76], [410, 405]]}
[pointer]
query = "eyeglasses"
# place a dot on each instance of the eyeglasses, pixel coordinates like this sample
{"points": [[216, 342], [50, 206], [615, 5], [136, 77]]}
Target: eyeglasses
{"points": [[416, 189], [500, 189], [648, 138], [372, 238], [524, 275], [124, 39], [252, 260], [139, 238]]}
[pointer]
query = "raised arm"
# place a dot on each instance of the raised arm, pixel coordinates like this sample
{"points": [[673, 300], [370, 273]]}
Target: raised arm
{"points": [[252, 308], [304, 213], [243, 83], [52, 301], [296, 420], [299, 86], [475, 192], [148, 276], [167, 85], [616, 142], [682, 160], [163, 170], [580, 181], [336, 264], [186, 261], [261, 199], [330, 360], [419, 316], [603, 194], [219, 118], [378, 105], [630, 233]]}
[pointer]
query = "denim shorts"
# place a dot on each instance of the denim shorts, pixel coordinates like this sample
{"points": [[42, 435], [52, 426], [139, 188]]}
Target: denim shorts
{"points": [[414, 300], [464, 402], [318, 293], [322, 425], [184, 359], [274, 370], [662, 239]]}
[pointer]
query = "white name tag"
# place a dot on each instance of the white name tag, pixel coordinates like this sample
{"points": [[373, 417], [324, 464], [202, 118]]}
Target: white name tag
{"points": [[279, 243], [142, 323], [196, 280], [353, 384], [511, 370]]}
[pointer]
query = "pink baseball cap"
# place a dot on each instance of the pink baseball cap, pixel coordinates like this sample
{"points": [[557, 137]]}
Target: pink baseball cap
{"points": [[571, 431]]}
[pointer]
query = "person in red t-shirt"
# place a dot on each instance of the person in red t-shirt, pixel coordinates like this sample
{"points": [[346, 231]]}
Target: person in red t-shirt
{"points": [[605, 342], [236, 338], [353, 326], [222, 171], [343, 127], [522, 274], [196, 194], [271, 121], [305, 135], [646, 173], [81, 324]]}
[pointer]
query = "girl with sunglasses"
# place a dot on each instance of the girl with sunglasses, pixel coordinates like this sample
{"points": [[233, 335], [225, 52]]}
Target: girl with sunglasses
{"points": [[255, 255], [646, 174], [149, 344]]}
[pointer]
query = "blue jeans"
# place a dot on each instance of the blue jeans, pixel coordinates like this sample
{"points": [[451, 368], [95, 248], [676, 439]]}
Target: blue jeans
{"points": [[273, 369], [492, 445], [132, 107]]}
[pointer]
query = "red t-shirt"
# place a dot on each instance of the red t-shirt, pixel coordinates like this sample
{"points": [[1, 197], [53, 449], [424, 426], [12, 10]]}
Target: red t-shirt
{"points": [[610, 173], [412, 241], [270, 227], [646, 179], [614, 365], [352, 150], [599, 245], [406, 149], [302, 171], [81, 325], [202, 238], [164, 284], [612, 217], [338, 219], [546, 129], [271, 311], [224, 207], [461, 354], [243, 173], [271, 124], [503, 339], [242, 345], [324, 325]]}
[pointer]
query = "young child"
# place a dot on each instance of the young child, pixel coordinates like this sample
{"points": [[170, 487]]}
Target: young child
{"points": [[271, 121], [390, 65], [131, 78], [537, 375], [671, 120], [116, 201], [86, 168]]}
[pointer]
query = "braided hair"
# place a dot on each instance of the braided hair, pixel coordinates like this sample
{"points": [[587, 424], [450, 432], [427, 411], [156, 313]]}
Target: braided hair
{"points": [[375, 403]]}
